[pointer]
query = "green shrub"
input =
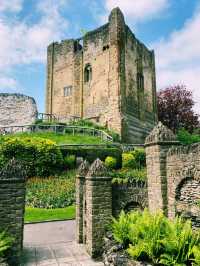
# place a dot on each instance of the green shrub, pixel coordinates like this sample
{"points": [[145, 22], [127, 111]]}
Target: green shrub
{"points": [[128, 160], [126, 175], [52, 192], [5, 243], [156, 239], [91, 154], [111, 162], [40, 156], [70, 161], [140, 158], [187, 138]]}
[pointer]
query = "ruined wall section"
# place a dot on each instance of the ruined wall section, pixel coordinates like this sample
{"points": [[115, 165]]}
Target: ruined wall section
{"points": [[17, 109], [95, 91], [140, 105]]}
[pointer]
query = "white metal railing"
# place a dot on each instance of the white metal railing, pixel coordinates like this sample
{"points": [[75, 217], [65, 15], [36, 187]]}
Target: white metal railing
{"points": [[64, 129]]}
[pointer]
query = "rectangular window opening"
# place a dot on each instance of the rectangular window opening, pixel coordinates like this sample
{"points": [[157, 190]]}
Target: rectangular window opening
{"points": [[67, 91]]}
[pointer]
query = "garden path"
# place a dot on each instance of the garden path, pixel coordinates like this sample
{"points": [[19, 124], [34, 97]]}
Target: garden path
{"points": [[53, 244]]}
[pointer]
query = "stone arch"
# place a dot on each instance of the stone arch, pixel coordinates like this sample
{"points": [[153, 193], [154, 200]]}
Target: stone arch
{"points": [[133, 206]]}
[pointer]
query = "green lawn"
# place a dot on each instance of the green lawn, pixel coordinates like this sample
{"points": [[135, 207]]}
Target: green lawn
{"points": [[40, 215], [61, 138]]}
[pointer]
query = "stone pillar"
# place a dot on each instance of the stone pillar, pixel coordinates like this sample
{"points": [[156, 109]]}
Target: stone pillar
{"points": [[80, 183], [98, 207], [12, 203], [157, 145]]}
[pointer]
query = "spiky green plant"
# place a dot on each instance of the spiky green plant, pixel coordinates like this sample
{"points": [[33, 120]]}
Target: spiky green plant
{"points": [[196, 252], [178, 242], [158, 240], [120, 229], [145, 236], [5, 243]]}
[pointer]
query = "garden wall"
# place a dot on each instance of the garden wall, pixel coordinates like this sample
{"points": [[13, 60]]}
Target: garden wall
{"points": [[97, 200], [130, 196], [183, 177], [12, 203], [173, 173]]}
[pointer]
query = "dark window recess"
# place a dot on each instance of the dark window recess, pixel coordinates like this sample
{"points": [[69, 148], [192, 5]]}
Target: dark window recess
{"points": [[67, 90], [88, 73], [105, 47], [78, 45], [140, 82]]}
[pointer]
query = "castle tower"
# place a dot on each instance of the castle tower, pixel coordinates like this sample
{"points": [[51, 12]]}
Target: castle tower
{"points": [[108, 76]]}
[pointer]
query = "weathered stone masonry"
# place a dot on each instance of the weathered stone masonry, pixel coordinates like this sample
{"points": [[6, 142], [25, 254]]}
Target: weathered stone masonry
{"points": [[173, 173], [107, 76], [98, 199], [130, 196], [12, 204], [17, 109]]}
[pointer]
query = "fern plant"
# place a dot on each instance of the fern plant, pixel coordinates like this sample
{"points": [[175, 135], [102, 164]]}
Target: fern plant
{"points": [[120, 229], [145, 237], [5, 243], [196, 252], [158, 240], [179, 242]]}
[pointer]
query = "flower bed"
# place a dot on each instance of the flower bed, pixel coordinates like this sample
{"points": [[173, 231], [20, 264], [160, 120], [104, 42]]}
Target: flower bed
{"points": [[52, 192]]}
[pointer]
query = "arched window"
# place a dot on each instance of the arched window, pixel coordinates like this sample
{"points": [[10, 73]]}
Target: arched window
{"points": [[88, 73]]}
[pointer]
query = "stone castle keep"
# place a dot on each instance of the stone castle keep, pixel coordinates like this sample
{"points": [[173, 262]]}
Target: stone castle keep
{"points": [[107, 76]]}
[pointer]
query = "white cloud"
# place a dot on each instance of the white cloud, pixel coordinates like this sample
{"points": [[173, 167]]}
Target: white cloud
{"points": [[8, 84], [138, 10], [178, 58], [25, 43], [11, 5]]}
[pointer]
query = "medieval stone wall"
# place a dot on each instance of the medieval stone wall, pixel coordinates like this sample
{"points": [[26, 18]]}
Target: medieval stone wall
{"points": [[109, 92], [60, 76], [17, 109], [95, 53], [139, 111]]}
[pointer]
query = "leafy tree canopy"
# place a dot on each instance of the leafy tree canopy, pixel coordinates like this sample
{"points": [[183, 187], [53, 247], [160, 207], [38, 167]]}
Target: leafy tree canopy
{"points": [[175, 108]]}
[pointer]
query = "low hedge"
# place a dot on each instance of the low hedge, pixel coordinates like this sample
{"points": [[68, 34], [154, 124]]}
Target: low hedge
{"points": [[92, 154]]}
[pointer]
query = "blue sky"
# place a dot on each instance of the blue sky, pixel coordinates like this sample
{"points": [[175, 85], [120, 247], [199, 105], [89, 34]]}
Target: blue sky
{"points": [[170, 27]]}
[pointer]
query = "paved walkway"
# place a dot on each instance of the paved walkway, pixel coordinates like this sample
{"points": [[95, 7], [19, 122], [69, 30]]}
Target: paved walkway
{"points": [[53, 244]]}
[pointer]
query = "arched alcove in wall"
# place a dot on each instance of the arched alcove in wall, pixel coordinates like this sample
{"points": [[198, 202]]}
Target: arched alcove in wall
{"points": [[133, 206], [87, 73]]}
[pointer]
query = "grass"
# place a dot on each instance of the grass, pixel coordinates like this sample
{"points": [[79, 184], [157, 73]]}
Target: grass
{"points": [[60, 138], [40, 215]]}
